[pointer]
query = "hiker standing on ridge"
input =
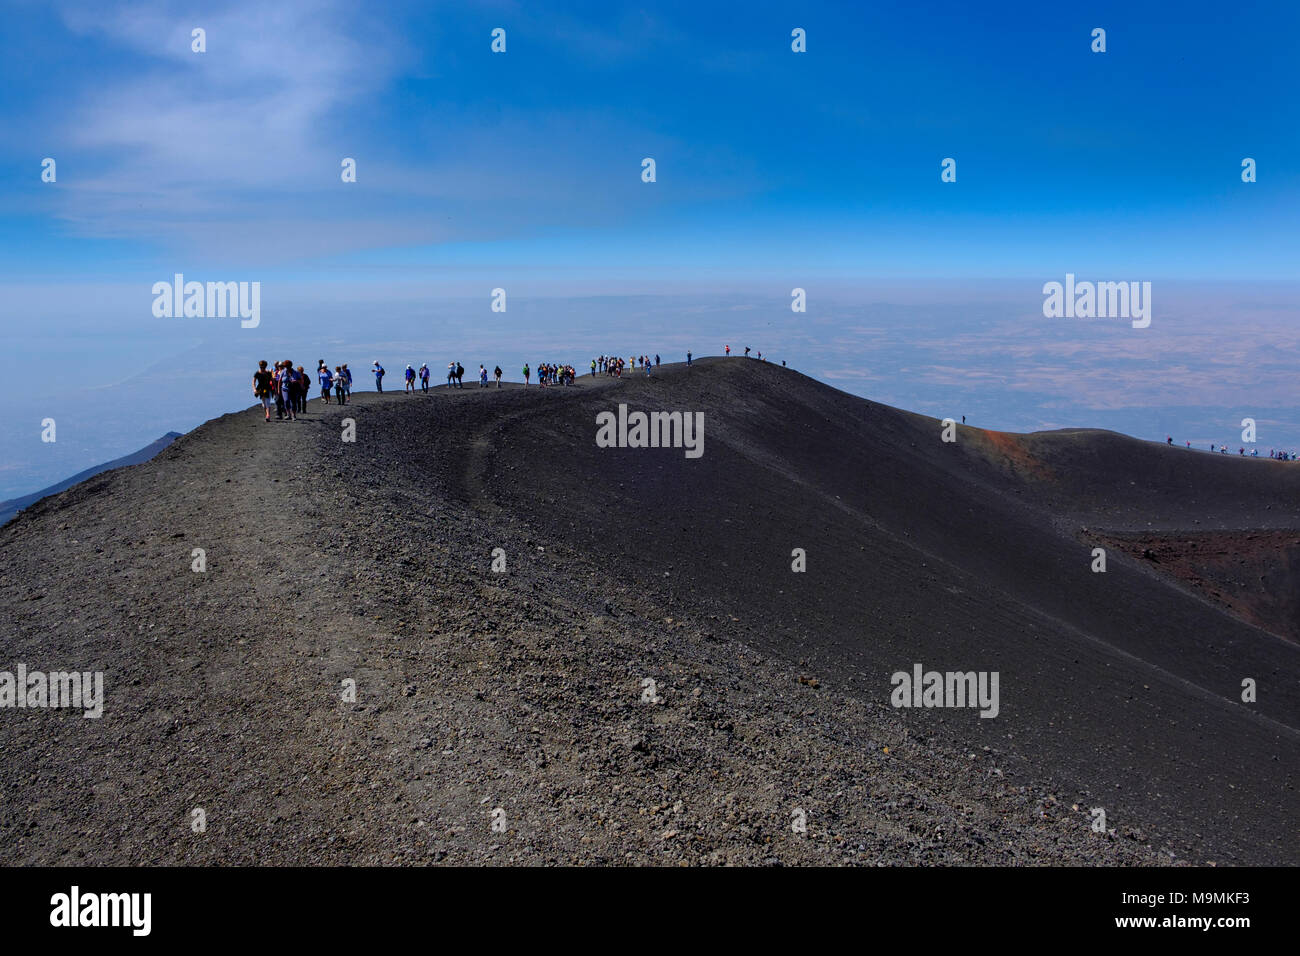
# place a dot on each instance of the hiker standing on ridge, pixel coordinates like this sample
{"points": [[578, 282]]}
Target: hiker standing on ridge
{"points": [[303, 389], [482, 376], [340, 386], [460, 375], [262, 387], [727, 349], [688, 358], [379, 376], [525, 375], [276, 393], [347, 380], [289, 388], [497, 373], [326, 382], [409, 375], [424, 377], [451, 374]]}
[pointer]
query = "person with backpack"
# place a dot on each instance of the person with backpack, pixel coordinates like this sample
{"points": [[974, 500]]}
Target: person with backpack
{"points": [[482, 376], [688, 358], [262, 387], [460, 375], [340, 386], [497, 373], [409, 375], [525, 375], [379, 376], [347, 380], [424, 377]]}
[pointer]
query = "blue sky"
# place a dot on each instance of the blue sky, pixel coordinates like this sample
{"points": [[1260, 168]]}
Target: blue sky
{"points": [[774, 170], [1067, 159]]}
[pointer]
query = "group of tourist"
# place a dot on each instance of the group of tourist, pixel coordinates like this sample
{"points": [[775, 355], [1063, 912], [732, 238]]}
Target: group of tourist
{"points": [[288, 387], [1274, 453]]}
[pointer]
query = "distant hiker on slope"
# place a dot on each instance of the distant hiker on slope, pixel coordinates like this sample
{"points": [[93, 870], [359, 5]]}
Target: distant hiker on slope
{"points": [[688, 357], [525, 375], [262, 387], [424, 377], [497, 373], [379, 376], [482, 376], [727, 349], [340, 386], [347, 380], [409, 375]]}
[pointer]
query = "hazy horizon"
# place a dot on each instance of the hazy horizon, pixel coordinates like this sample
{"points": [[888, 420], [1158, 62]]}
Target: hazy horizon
{"points": [[1214, 354]]}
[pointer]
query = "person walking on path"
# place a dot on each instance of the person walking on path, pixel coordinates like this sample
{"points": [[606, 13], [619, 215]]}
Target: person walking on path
{"points": [[277, 393], [525, 375], [289, 388], [347, 380], [482, 376], [262, 387], [498, 375], [326, 378], [379, 376], [688, 358], [340, 385], [727, 349], [409, 376], [424, 377], [303, 389]]}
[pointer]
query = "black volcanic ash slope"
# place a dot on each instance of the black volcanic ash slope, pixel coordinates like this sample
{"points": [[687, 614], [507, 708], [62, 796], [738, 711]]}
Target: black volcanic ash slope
{"points": [[964, 556], [522, 691]]}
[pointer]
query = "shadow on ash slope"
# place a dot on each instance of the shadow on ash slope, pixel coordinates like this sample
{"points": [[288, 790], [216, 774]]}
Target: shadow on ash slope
{"points": [[504, 717]]}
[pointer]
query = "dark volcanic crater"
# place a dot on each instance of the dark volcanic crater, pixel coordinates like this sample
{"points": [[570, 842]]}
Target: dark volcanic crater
{"points": [[509, 717]]}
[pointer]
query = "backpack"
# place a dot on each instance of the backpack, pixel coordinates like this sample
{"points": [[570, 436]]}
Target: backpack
{"points": [[460, 370]]}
